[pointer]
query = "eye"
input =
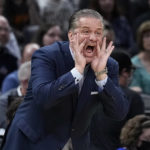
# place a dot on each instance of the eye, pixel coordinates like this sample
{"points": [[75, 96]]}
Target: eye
{"points": [[85, 31], [98, 33]]}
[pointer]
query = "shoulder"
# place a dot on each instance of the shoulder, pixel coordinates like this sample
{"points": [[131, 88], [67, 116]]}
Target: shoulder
{"points": [[51, 49], [112, 66], [112, 62], [136, 61], [12, 75]]}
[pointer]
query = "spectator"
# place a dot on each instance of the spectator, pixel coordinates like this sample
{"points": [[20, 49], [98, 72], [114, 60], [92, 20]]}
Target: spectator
{"points": [[12, 107], [7, 38], [48, 34], [5, 99], [135, 135], [58, 11], [8, 62], [141, 77], [11, 80]]}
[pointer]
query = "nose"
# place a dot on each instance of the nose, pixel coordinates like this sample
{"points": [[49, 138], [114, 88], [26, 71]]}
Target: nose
{"points": [[92, 37]]}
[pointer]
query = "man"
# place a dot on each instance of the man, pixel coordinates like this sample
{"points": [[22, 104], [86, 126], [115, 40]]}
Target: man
{"points": [[105, 132], [24, 73], [8, 62], [7, 38], [60, 102]]}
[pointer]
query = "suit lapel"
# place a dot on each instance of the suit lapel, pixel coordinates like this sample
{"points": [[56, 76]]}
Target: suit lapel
{"points": [[69, 62]]}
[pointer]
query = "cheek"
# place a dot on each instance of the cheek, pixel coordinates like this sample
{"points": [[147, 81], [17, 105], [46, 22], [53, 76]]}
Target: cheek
{"points": [[82, 38], [47, 40]]}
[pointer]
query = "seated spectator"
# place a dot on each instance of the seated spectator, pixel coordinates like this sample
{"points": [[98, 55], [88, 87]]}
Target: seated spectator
{"points": [[11, 80], [7, 38], [8, 62], [141, 77], [5, 99], [12, 107], [48, 34], [107, 136], [135, 135]]}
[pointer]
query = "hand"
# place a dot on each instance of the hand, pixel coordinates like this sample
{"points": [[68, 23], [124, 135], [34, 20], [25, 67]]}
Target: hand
{"points": [[77, 49], [100, 60]]}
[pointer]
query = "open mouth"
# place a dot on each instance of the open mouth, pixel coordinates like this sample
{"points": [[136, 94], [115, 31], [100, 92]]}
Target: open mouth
{"points": [[90, 49]]}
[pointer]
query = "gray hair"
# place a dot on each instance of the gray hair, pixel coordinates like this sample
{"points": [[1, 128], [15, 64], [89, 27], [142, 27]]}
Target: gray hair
{"points": [[24, 71], [83, 13]]}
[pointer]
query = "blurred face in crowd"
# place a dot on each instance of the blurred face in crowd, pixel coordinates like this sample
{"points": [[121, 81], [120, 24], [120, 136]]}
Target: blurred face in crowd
{"points": [[29, 49], [91, 29], [106, 6], [144, 137], [125, 77], [52, 35], [4, 31], [146, 40]]}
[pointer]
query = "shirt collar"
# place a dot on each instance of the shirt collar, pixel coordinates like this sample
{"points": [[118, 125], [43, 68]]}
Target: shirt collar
{"points": [[19, 91], [71, 53]]}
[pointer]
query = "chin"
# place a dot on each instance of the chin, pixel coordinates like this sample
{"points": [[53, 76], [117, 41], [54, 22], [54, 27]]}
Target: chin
{"points": [[89, 60]]}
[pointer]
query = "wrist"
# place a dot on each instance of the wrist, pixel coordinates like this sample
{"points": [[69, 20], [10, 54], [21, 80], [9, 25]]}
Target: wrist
{"points": [[101, 75], [80, 69]]}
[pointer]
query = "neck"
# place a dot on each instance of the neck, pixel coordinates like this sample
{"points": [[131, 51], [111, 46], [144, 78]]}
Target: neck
{"points": [[23, 91]]}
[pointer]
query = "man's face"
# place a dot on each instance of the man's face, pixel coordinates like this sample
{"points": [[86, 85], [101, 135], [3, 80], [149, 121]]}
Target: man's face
{"points": [[4, 31], [90, 29]]}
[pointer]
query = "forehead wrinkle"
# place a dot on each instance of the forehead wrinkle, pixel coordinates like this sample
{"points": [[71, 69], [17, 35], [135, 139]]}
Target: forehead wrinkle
{"points": [[100, 28], [78, 22]]}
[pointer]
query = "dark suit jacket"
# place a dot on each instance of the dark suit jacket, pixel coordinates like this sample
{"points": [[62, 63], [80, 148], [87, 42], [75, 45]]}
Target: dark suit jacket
{"points": [[52, 110], [107, 137]]}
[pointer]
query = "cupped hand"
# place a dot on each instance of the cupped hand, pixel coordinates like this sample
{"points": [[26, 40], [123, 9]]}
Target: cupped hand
{"points": [[77, 49], [103, 52]]}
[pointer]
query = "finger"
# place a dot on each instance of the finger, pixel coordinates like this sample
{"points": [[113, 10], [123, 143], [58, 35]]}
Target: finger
{"points": [[109, 47], [103, 48], [82, 45], [110, 50], [77, 38], [74, 42], [98, 47]]}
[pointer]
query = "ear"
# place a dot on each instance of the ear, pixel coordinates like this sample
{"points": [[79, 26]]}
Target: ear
{"points": [[70, 35]]}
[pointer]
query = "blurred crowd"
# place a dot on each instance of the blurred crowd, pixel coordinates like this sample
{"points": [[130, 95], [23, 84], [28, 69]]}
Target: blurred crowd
{"points": [[27, 25]]}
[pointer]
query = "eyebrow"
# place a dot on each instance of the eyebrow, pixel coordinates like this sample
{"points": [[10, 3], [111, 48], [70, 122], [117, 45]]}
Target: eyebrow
{"points": [[85, 27]]}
